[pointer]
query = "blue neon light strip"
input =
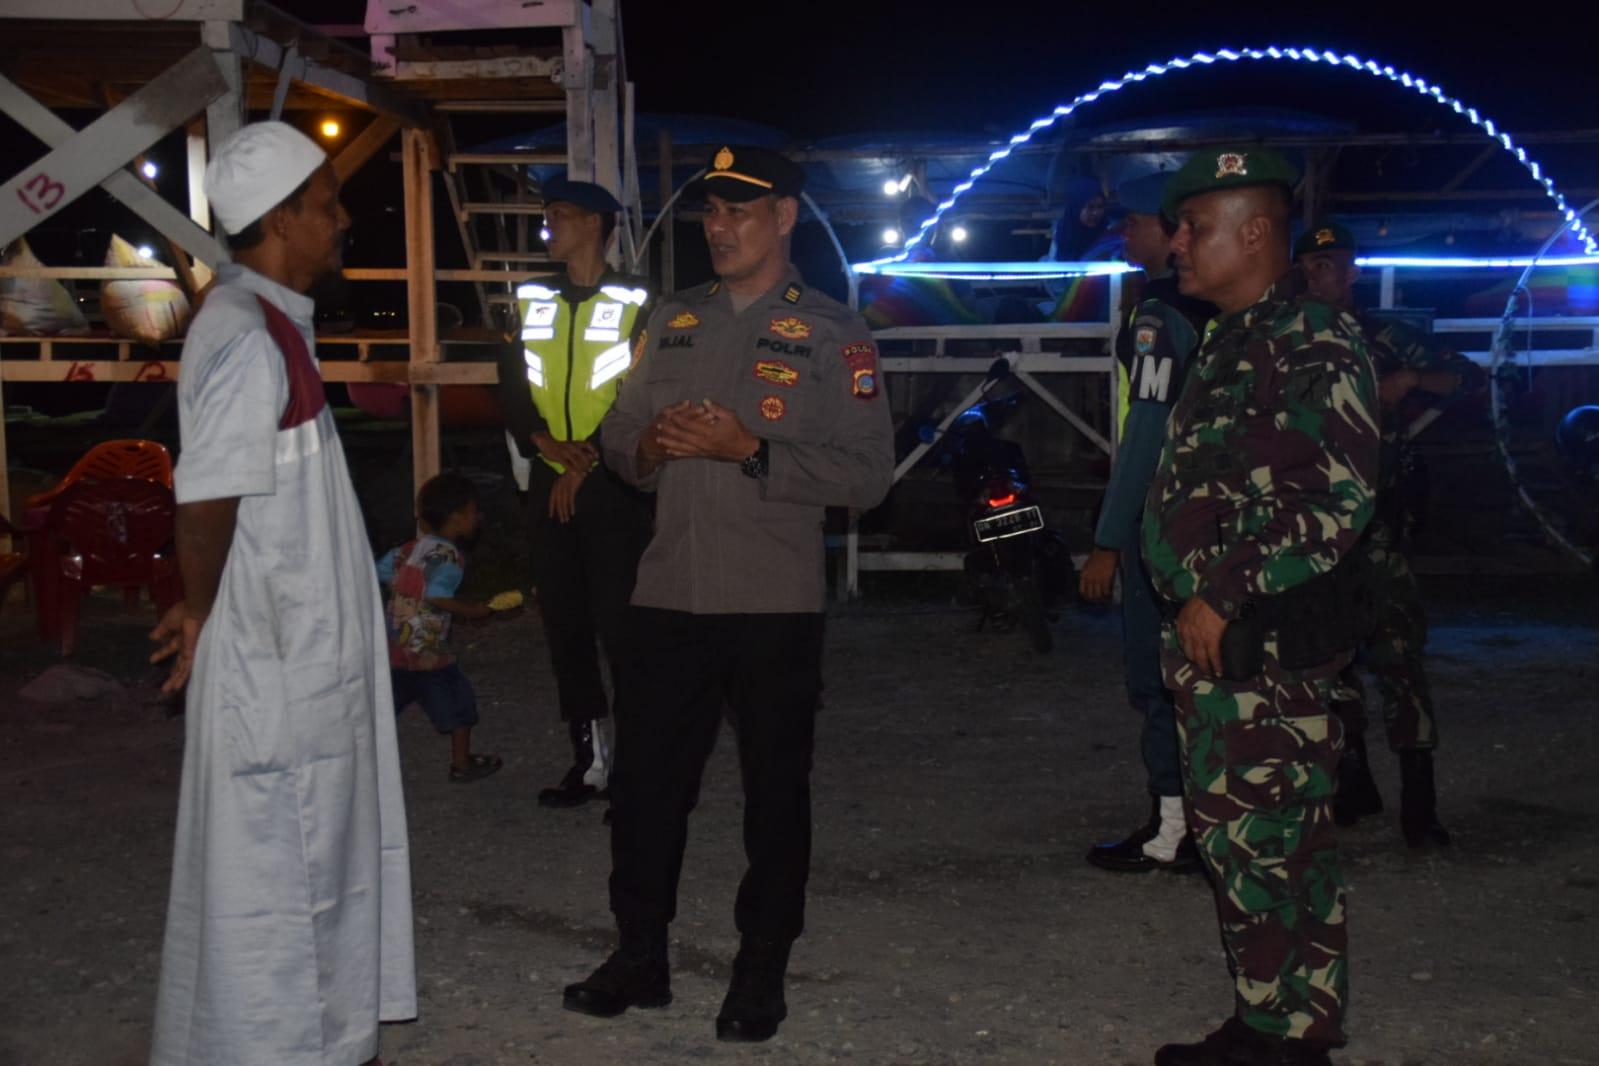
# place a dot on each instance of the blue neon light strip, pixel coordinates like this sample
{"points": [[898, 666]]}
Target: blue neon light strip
{"points": [[1034, 270], [1227, 55], [1467, 262], [1031, 268]]}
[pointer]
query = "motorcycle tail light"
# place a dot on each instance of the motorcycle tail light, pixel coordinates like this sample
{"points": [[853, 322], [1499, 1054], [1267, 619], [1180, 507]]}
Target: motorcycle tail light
{"points": [[1002, 501]]}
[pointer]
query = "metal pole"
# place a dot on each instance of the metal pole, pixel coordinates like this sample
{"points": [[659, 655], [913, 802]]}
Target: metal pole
{"points": [[668, 238]]}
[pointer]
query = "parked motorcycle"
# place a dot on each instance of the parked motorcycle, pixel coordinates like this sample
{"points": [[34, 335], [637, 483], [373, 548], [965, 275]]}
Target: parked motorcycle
{"points": [[1018, 568]]}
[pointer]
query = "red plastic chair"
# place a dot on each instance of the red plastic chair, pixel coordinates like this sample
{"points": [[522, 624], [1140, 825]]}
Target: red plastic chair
{"points": [[114, 532], [143, 459], [13, 563]]}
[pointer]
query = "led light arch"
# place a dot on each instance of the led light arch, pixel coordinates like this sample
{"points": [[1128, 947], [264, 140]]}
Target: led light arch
{"points": [[1571, 219]]}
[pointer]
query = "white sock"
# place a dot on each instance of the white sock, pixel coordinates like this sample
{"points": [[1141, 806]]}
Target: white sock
{"points": [[599, 772], [1162, 847]]}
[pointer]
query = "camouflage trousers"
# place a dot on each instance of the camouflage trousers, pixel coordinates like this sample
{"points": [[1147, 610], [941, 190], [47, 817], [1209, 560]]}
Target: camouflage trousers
{"points": [[1259, 765], [1393, 653]]}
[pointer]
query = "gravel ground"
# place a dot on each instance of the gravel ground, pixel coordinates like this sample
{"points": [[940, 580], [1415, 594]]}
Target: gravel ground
{"points": [[959, 778]]}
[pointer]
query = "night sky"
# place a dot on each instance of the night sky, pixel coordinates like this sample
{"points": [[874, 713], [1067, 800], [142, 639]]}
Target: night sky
{"points": [[815, 70], [819, 68]]}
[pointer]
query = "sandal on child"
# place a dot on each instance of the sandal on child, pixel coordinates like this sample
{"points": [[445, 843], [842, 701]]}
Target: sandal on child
{"points": [[477, 768]]}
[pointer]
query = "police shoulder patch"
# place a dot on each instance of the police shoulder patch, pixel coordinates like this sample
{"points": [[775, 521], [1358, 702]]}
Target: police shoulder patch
{"points": [[861, 359], [683, 320], [1144, 339]]}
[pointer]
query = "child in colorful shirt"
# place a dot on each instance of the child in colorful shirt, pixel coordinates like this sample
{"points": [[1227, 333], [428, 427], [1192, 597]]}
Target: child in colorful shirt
{"points": [[425, 575]]}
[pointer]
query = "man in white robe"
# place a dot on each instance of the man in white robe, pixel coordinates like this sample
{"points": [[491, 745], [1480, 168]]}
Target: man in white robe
{"points": [[288, 932]]}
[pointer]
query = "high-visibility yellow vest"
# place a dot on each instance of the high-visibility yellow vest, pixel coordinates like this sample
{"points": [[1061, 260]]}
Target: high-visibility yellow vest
{"points": [[576, 355], [1124, 380]]}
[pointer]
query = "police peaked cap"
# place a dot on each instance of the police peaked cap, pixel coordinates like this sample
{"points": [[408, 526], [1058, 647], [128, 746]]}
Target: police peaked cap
{"points": [[741, 172]]}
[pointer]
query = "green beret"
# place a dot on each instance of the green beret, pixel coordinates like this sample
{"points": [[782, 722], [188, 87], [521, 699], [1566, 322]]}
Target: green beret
{"points": [[1229, 168], [1324, 236]]}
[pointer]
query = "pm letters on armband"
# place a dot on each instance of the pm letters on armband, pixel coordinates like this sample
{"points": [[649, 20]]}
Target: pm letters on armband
{"points": [[1152, 378]]}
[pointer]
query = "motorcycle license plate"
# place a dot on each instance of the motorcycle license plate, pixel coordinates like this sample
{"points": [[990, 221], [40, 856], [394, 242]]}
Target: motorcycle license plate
{"points": [[1008, 524]]}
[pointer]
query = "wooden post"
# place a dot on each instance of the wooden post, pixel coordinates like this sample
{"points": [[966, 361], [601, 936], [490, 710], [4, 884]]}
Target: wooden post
{"points": [[605, 97], [421, 303], [577, 78], [199, 206], [224, 115], [668, 238], [5, 477]]}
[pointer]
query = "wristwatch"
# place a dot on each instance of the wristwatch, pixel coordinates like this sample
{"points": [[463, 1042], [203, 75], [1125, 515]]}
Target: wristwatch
{"points": [[756, 465]]}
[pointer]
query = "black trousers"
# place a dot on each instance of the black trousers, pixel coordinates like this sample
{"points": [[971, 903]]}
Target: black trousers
{"points": [[680, 672], [585, 570]]}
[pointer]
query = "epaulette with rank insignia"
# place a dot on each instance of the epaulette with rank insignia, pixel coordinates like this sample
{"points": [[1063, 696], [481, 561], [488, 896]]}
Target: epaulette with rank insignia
{"points": [[792, 294]]}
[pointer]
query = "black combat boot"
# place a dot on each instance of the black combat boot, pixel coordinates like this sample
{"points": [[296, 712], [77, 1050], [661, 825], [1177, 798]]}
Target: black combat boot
{"points": [[1418, 801], [754, 1006], [636, 975], [1236, 1044], [1357, 796], [573, 791]]}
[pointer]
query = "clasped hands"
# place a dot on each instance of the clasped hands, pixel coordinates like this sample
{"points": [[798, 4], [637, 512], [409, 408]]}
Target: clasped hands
{"points": [[688, 430], [578, 458]]}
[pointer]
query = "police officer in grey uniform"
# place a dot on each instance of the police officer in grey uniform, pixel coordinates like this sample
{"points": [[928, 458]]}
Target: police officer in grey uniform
{"points": [[756, 404]]}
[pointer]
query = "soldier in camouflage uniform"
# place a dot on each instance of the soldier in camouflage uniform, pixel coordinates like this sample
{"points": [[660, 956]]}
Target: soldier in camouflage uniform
{"points": [[1405, 360], [1265, 483]]}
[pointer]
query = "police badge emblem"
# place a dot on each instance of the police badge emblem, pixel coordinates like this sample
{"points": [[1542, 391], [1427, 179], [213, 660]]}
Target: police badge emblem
{"points": [[1144, 340], [1232, 164], [1325, 237], [724, 159], [791, 328]]}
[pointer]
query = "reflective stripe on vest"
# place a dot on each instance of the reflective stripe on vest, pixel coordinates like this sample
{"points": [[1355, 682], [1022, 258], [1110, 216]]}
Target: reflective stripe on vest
{"points": [[1124, 399], [1124, 380], [576, 356]]}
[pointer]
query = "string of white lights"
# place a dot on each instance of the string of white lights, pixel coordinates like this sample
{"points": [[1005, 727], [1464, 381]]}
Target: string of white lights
{"points": [[1228, 55], [1502, 357]]}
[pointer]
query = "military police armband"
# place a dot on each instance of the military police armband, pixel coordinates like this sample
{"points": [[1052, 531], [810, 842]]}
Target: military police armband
{"points": [[1153, 369]]}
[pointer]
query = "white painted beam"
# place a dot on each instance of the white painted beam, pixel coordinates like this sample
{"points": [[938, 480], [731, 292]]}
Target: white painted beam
{"points": [[346, 87], [123, 10], [85, 159], [166, 219]]}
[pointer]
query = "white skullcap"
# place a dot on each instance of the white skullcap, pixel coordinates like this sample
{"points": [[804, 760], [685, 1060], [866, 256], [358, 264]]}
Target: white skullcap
{"points": [[256, 169]]}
